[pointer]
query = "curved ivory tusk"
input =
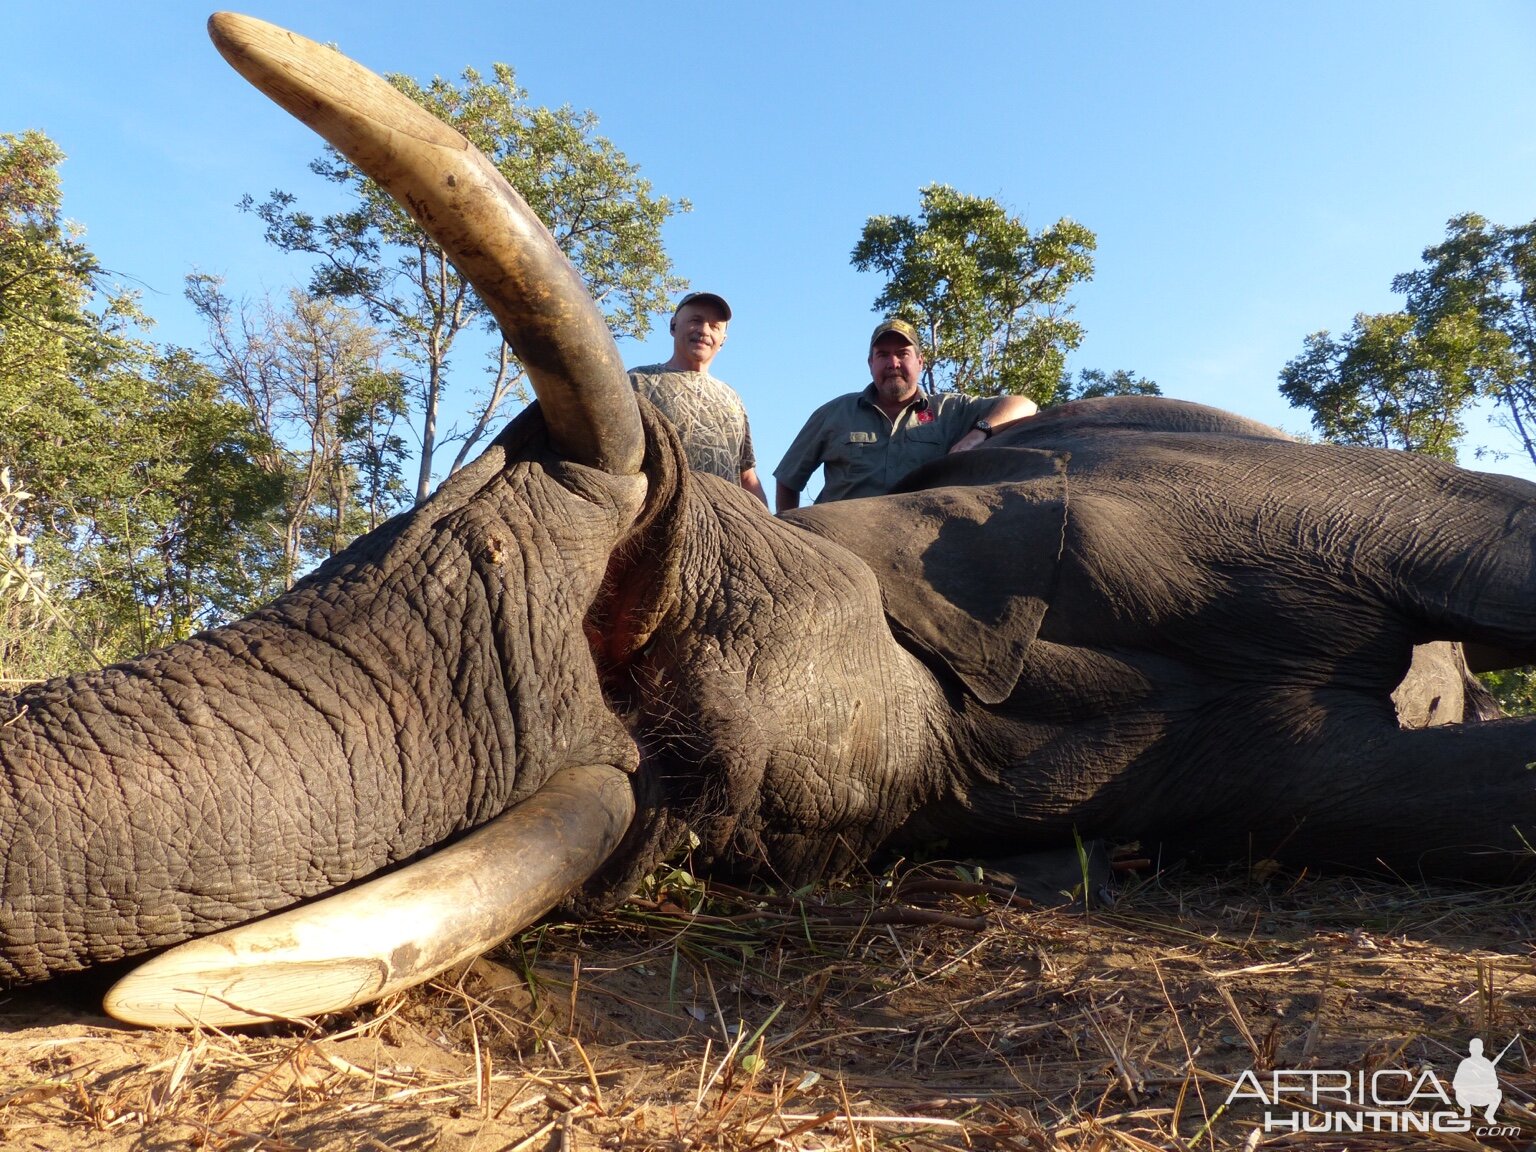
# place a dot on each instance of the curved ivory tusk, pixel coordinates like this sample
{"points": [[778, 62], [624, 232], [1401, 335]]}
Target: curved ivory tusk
{"points": [[464, 204], [393, 932]]}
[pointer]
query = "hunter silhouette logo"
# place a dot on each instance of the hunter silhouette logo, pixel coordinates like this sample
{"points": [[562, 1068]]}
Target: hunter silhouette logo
{"points": [[1477, 1083], [1387, 1100]]}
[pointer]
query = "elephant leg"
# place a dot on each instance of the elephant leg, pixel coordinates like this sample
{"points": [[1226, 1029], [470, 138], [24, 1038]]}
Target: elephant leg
{"points": [[1355, 789]]}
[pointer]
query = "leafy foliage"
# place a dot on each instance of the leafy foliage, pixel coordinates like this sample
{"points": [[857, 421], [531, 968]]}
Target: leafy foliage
{"points": [[1394, 381], [28, 608], [1484, 275], [1468, 333], [592, 198], [310, 376], [170, 533], [46, 272], [989, 294], [1094, 382], [1514, 689], [141, 482]]}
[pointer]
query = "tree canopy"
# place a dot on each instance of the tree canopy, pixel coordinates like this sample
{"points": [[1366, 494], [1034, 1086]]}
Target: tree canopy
{"points": [[592, 198], [1393, 381], [1484, 275], [310, 375], [1467, 334], [135, 489], [1094, 382], [989, 295]]}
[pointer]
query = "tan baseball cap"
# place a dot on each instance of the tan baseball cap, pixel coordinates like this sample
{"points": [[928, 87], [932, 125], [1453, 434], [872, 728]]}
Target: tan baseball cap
{"points": [[898, 327], [708, 298]]}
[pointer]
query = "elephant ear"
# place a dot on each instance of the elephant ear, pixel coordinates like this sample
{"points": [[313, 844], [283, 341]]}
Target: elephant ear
{"points": [[965, 572]]}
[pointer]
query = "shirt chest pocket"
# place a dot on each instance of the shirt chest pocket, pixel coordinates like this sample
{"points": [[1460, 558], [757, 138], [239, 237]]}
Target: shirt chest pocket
{"points": [[856, 450], [927, 435]]}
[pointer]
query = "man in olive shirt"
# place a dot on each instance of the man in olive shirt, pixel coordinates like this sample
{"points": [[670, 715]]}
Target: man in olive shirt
{"points": [[868, 440], [708, 415]]}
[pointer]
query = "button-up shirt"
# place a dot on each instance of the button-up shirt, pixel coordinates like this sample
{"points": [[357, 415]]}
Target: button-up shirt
{"points": [[865, 452]]}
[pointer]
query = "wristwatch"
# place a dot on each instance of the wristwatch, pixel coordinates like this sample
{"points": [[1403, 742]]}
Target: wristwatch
{"points": [[984, 427]]}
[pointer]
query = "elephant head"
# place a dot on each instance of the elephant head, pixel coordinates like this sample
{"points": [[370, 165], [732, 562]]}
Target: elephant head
{"points": [[1131, 618], [334, 734]]}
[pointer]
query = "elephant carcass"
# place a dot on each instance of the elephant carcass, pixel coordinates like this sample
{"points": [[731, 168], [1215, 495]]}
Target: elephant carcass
{"points": [[1129, 617]]}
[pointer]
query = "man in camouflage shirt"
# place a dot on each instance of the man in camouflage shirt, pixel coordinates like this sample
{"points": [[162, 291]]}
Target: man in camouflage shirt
{"points": [[707, 413]]}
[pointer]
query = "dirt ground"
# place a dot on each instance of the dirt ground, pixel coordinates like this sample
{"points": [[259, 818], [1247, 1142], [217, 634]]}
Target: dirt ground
{"points": [[921, 1009]]}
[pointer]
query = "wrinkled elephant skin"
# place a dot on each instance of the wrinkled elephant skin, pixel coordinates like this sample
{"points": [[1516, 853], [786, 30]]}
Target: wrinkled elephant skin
{"points": [[1131, 618]]}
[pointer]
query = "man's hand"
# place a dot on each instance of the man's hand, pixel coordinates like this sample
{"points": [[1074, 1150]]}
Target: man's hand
{"points": [[1005, 411]]}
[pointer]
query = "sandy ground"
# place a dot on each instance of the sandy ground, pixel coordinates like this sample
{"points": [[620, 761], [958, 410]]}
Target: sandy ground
{"points": [[930, 1013]]}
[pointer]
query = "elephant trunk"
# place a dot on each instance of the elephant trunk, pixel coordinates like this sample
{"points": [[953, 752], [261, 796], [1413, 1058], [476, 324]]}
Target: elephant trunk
{"points": [[433, 678], [466, 206]]}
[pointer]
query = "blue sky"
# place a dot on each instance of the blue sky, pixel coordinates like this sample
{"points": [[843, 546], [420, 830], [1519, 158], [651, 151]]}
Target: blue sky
{"points": [[1254, 173]]}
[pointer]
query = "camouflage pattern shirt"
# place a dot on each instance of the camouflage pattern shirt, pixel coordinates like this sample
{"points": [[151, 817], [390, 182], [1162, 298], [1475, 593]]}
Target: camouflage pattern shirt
{"points": [[708, 415]]}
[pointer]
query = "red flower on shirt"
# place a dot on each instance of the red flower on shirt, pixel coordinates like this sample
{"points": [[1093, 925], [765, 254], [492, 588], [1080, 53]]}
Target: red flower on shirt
{"points": [[924, 416]]}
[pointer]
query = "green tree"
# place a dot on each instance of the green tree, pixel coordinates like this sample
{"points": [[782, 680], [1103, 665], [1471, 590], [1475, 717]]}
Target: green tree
{"points": [[47, 274], [1393, 381], [1095, 382], [989, 294], [309, 375], [373, 453], [138, 477], [148, 505], [32, 622], [592, 198], [170, 523], [1485, 274], [1514, 689]]}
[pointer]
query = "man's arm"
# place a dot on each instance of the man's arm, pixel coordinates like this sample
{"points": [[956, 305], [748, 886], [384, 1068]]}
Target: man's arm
{"points": [[804, 457], [752, 484], [1011, 408], [1005, 411], [748, 462]]}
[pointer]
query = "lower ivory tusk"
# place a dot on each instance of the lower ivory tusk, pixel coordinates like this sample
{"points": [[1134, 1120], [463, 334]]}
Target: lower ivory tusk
{"points": [[393, 932]]}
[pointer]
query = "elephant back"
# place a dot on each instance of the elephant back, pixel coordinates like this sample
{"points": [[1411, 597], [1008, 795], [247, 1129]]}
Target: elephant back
{"points": [[1134, 414]]}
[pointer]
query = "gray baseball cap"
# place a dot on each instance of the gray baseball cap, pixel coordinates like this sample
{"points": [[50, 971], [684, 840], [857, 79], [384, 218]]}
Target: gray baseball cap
{"points": [[708, 297]]}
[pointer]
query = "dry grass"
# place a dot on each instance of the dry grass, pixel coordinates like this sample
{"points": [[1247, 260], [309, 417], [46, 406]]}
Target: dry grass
{"points": [[924, 1013]]}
